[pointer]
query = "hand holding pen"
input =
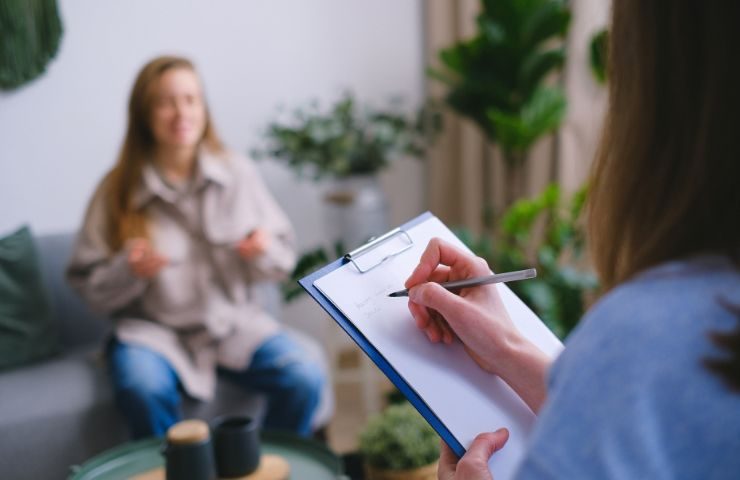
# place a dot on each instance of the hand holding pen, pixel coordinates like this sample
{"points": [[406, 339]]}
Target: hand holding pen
{"points": [[476, 316]]}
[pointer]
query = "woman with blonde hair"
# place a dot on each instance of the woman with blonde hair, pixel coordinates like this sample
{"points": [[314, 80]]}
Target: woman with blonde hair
{"points": [[648, 384], [173, 241]]}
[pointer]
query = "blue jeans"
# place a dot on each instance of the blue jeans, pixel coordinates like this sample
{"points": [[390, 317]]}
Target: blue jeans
{"points": [[148, 391]]}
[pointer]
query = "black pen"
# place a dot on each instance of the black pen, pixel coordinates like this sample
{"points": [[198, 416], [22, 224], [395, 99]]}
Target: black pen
{"points": [[478, 281]]}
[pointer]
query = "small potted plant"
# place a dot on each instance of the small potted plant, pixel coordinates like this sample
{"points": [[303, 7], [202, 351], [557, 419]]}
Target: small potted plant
{"points": [[399, 444]]}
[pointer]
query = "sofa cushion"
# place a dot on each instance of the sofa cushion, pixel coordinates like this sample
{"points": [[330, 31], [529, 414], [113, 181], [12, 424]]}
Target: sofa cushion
{"points": [[26, 329], [79, 327]]}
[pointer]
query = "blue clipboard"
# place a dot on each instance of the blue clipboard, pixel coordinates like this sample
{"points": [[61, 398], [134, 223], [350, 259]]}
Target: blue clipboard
{"points": [[388, 370]]}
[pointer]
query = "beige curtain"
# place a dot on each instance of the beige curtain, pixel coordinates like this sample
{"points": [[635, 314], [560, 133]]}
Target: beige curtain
{"points": [[455, 175]]}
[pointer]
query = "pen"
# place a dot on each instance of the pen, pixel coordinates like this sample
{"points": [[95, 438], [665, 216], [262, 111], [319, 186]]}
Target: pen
{"points": [[478, 281]]}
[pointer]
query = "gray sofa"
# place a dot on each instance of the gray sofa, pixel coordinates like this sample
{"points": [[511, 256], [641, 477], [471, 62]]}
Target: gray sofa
{"points": [[60, 412]]}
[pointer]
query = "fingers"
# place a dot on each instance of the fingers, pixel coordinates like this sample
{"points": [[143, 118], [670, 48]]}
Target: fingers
{"points": [[420, 314], [474, 464], [442, 329], [254, 244], [438, 252], [432, 323], [447, 462], [137, 248], [249, 250], [435, 297], [149, 267], [142, 258], [259, 238]]}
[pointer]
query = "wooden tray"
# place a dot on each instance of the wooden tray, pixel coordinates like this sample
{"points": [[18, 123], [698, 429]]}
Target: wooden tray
{"points": [[308, 459]]}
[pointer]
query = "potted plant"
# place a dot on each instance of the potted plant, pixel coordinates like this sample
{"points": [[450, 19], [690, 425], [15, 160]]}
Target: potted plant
{"points": [[350, 144], [347, 140], [399, 444], [501, 80]]}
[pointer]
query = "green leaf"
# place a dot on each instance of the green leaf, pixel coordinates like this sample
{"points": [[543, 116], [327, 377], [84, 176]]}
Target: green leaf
{"points": [[598, 50], [538, 65], [493, 31], [544, 112], [549, 19]]}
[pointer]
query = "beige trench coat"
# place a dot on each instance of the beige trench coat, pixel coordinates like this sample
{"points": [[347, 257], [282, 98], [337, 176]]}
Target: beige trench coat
{"points": [[200, 310]]}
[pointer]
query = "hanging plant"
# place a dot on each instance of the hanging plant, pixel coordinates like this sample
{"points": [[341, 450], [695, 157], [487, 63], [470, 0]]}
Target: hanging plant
{"points": [[30, 33]]}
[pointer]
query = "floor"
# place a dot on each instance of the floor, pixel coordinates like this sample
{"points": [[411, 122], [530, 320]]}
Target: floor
{"points": [[351, 409]]}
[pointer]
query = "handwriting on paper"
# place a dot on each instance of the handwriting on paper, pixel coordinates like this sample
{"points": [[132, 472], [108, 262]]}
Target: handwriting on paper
{"points": [[370, 306]]}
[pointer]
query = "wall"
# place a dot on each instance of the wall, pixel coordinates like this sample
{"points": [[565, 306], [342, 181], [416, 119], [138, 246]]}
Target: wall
{"points": [[60, 133]]}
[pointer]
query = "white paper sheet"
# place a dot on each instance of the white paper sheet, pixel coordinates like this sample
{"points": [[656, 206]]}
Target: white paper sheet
{"points": [[464, 397]]}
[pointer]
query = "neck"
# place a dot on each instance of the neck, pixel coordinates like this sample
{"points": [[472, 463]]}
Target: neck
{"points": [[176, 164]]}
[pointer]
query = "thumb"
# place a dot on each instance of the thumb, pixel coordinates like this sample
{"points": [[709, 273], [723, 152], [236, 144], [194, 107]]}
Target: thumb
{"points": [[486, 444], [483, 447]]}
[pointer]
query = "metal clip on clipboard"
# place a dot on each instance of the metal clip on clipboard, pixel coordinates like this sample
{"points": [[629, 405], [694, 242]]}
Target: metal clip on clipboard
{"points": [[375, 243]]}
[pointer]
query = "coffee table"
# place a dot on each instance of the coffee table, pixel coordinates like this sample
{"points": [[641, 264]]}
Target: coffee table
{"points": [[308, 459]]}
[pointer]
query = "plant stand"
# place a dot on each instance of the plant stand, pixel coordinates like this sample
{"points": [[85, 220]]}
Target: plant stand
{"points": [[356, 210]]}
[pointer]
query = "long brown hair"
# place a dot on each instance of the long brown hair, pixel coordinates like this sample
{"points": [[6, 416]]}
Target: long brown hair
{"points": [[124, 220], [666, 180]]}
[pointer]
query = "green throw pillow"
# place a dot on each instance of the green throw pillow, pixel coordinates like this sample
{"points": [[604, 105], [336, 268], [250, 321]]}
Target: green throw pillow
{"points": [[26, 329]]}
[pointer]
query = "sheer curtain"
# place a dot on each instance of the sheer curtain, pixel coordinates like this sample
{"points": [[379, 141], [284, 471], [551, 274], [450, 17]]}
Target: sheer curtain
{"points": [[456, 170]]}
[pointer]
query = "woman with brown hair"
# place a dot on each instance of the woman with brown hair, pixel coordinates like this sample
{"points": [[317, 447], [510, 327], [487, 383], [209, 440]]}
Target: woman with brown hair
{"points": [[173, 241], [648, 384]]}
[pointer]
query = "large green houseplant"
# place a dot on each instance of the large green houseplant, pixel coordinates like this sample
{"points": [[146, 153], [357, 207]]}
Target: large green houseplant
{"points": [[399, 444], [499, 80]]}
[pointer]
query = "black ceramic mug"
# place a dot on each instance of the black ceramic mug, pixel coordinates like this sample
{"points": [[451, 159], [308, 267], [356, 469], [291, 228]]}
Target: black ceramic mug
{"points": [[236, 444], [188, 452]]}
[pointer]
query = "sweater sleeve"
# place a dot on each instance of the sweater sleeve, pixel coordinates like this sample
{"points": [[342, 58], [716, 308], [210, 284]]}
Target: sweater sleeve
{"points": [[102, 277], [278, 260]]}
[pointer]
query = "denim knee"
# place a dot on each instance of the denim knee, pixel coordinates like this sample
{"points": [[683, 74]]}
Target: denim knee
{"points": [[141, 373], [304, 380]]}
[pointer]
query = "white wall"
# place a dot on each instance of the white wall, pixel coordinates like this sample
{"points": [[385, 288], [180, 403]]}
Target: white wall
{"points": [[60, 133]]}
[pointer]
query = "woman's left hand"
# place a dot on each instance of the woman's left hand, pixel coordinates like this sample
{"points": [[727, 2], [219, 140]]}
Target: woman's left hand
{"points": [[254, 244], [474, 464]]}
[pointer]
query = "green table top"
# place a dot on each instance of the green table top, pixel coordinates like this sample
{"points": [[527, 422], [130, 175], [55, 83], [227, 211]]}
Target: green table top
{"points": [[309, 460]]}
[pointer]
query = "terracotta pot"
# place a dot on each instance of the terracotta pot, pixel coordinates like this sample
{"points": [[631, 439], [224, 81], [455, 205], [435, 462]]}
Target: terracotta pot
{"points": [[427, 472]]}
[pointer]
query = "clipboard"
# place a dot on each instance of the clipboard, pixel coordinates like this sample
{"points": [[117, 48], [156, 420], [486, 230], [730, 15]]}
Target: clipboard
{"points": [[400, 242]]}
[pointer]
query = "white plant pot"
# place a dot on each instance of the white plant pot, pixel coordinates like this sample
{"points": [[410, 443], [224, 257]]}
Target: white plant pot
{"points": [[356, 210]]}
